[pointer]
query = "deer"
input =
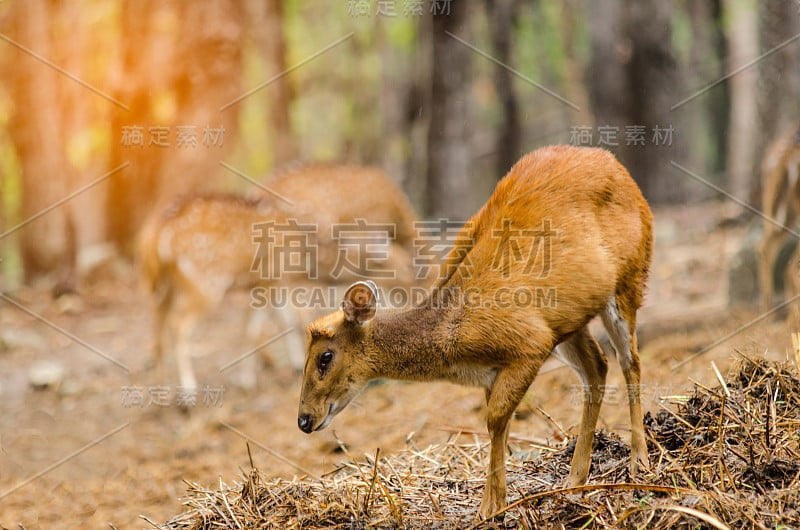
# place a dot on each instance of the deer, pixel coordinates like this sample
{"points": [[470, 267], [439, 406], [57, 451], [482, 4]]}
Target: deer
{"points": [[780, 202], [590, 239], [193, 252]]}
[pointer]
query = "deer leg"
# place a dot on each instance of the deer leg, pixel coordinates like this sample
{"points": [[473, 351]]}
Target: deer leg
{"points": [[781, 208], [582, 353], [792, 283], [294, 341], [620, 322], [162, 320], [162, 333], [245, 374], [247, 370], [256, 322], [195, 296], [183, 354], [767, 254], [507, 391]]}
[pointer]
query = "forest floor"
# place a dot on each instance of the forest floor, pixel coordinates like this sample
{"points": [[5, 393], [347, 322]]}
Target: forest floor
{"points": [[108, 448]]}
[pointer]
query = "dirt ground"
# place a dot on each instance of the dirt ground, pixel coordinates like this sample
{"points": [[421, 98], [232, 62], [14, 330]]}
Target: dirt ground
{"points": [[108, 448]]}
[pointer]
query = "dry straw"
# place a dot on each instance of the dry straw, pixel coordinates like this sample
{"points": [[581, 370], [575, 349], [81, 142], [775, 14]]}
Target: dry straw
{"points": [[726, 457]]}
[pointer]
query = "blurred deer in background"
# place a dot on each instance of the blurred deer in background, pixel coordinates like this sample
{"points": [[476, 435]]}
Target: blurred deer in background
{"points": [[566, 221], [780, 201], [193, 252]]}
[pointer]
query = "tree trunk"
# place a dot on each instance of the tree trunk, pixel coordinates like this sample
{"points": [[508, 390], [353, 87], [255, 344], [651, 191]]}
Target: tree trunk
{"points": [[396, 95], [502, 15], [47, 243], [778, 93], [81, 111], [651, 85], [210, 55], [266, 22], [450, 193], [742, 137], [606, 69], [418, 115], [197, 69], [708, 52], [633, 78], [147, 56], [574, 79]]}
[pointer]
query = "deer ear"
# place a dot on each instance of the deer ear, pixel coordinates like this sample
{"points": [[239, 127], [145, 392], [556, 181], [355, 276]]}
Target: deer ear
{"points": [[360, 302]]}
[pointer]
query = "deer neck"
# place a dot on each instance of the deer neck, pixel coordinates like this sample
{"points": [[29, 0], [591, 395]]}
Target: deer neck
{"points": [[409, 345]]}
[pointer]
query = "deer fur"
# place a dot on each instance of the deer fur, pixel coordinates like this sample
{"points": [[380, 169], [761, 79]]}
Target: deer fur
{"points": [[194, 251], [780, 201], [599, 232]]}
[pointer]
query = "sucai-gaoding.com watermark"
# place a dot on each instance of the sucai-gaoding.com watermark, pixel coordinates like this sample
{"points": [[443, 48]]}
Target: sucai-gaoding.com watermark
{"points": [[328, 298], [288, 251]]}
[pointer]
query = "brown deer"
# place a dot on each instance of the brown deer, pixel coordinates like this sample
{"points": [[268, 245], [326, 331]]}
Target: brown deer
{"points": [[192, 253], [587, 233], [780, 201]]}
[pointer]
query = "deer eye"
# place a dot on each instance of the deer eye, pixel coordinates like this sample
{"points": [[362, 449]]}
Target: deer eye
{"points": [[324, 361]]}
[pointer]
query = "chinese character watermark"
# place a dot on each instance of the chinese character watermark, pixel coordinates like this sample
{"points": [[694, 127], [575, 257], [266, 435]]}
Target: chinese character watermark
{"points": [[608, 135], [164, 396], [133, 135], [386, 8], [620, 394], [369, 242], [186, 136], [534, 247], [440, 7], [359, 8], [662, 135], [394, 8], [285, 248], [434, 242]]}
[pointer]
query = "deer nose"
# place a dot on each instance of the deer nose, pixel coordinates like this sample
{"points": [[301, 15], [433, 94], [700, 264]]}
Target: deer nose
{"points": [[304, 422]]}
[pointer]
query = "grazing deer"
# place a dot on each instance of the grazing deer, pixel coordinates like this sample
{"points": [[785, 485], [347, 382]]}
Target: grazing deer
{"points": [[192, 253], [587, 232], [780, 201]]}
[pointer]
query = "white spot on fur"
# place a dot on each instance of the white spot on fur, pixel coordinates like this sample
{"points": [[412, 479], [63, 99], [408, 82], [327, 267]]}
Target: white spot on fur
{"points": [[567, 353], [618, 331], [165, 245]]}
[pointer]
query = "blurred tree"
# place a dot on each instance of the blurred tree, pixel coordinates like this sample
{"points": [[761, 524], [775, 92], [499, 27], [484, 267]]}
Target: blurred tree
{"points": [[182, 75], [266, 22], [742, 40], [652, 81], [449, 185], [360, 95], [399, 92], [502, 15], [707, 52], [778, 96], [575, 83], [209, 48], [85, 113], [147, 53], [605, 72], [418, 113], [37, 130], [633, 80]]}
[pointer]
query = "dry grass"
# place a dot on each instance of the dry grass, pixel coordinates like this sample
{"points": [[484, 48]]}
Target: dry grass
{"points": [[727, 457]]}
